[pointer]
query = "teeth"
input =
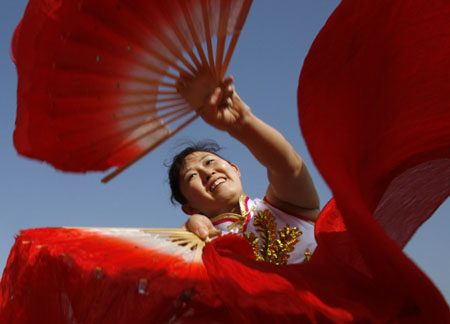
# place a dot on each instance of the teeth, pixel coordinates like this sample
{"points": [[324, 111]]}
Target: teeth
{"points": [[216, 183]]}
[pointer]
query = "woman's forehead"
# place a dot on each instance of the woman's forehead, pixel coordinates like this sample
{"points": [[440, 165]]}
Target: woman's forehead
{"points": [[196, 157]]}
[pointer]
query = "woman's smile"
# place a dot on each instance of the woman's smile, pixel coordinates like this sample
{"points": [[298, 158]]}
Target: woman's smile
{"points": [[210, 184]]}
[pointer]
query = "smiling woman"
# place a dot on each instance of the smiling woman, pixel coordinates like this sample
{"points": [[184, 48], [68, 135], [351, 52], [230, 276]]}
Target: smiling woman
{"points": [[209, 188], [210, 184]]}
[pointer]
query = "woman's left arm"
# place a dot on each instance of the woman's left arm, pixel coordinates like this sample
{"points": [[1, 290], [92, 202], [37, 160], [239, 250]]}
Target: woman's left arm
{"points": [[290, 185]]}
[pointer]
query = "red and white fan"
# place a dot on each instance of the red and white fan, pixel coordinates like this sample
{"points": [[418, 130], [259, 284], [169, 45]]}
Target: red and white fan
{"points": [[101, 82]]}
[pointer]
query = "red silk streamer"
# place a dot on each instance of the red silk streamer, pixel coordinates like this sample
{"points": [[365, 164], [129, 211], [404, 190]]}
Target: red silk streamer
{"points": [[374, 108]]}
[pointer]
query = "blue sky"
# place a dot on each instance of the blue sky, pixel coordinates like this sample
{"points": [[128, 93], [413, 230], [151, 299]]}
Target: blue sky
{"points": [[266, 67]]}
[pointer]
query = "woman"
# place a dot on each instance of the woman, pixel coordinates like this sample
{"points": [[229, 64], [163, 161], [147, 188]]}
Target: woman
{"points": [[209, 187]]}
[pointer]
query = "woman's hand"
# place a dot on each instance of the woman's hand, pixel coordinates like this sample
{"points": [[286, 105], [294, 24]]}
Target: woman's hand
{"points": [[201, 226], [217, 102], [224, 109]]}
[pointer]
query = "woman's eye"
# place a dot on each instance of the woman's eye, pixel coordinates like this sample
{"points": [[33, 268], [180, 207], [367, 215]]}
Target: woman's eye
{"points": [[190, 176], [209, 161]]}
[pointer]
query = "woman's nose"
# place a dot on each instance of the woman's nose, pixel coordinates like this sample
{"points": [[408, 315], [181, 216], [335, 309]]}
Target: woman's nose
{"points": [[209, 174]]}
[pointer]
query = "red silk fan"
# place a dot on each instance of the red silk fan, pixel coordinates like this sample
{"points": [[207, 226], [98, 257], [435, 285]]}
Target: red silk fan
{"points": [[101, 82]]}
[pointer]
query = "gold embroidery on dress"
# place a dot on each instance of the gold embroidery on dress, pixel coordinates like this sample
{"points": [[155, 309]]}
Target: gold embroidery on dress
{"points": [[275, 245], [239, 220]]}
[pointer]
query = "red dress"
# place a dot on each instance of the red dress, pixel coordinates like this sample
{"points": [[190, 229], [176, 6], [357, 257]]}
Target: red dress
{"points": [[374, 108]]}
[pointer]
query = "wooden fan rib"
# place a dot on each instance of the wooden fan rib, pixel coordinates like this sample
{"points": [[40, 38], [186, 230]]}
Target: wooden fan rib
{"points": [[116, 135], [101, 149], [180, 241], [193, 32], [153, 101], [198, 252], [180, 113], [164, 59], [114, 117], [238, 28], [149, 149], [222, 35], [150, 92], [209, 46], [83, 111], [110, 113], [151, 111], [183, 41], [106, 77], [174, 50], [188, 247], [166, 231]]}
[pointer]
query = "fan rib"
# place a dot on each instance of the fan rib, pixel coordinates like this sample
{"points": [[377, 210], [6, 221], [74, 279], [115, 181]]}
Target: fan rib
{"points": [[182, 112], [146, 151], [174, 50], [189, 245], [238, 28], [208, 36], [193, 32], [183, 42], [222, 35], [111, 111], [198, 252], [150, 92], [151, 101], [118, 115]]}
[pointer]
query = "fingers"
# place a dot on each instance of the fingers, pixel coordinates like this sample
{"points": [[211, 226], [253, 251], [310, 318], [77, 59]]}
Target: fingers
{"points": [[200, 225], [216, 97], [228, 81]]}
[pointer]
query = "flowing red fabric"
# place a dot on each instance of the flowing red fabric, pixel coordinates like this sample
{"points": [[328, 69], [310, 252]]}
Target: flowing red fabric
{"points": [[374, 108]]}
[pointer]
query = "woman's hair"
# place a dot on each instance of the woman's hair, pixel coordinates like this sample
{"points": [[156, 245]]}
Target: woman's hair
{"points": [[178, 163]]}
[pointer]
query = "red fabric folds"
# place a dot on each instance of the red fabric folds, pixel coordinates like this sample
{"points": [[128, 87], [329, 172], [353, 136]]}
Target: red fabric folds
{"points": [[374, 108]]}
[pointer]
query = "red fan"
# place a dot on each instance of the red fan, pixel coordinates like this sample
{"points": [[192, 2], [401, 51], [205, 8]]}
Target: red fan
{"points": [[104, 275], [101, 82]]}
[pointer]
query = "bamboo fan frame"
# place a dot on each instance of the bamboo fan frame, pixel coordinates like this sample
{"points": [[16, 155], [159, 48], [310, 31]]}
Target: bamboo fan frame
{"points": [[217, 65], [214, 61], [188, 241]]}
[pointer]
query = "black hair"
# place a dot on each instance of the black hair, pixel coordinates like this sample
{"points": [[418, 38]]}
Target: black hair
{"points": [[178, 162]]}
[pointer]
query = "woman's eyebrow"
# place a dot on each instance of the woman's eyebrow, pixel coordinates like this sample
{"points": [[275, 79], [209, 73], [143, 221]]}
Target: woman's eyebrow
{"points": [[200, 160]]}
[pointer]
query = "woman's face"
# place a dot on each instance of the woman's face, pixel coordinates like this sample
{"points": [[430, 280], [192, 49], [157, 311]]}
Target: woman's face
{"points": [[210, 184]]}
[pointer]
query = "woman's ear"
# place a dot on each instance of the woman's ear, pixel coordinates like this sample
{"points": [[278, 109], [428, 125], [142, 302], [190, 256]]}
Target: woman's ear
{"points": [[187, 209], [236, 168]]}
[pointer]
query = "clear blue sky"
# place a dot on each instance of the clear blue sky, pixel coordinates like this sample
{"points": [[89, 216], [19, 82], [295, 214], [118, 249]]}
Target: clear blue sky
{"points": [[266, 66]]}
